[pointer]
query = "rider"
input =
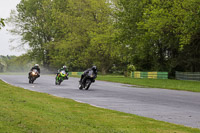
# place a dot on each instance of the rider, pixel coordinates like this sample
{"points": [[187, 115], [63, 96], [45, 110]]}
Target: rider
{"points": [[36, 66], [93, 68], [63, 68]]}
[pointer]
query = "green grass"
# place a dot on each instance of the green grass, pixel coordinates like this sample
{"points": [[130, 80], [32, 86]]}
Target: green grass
{"points": [[14, 73], [155, 83], [31, 112]]}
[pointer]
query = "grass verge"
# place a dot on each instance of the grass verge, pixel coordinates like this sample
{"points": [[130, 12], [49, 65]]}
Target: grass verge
{"points": [[27, 111], [193, 86], [13, 73]]}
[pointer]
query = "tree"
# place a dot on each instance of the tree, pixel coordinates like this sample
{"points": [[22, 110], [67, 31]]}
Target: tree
{"points": [[76, 33], [85, 35], [128, 14], [158, 33], [1, 23], [174, 27], [32, 23], [19, 63]]}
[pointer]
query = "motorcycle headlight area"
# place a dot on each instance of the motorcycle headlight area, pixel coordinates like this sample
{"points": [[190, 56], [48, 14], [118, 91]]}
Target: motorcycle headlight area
{"points": [[34, 73]]}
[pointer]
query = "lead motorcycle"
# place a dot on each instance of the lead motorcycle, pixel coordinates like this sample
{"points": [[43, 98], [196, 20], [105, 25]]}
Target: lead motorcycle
{"points": [[33, 75], [87, 80], [60, 77]]}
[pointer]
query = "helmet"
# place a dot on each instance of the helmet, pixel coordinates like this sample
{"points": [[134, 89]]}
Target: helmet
{"points": [[36, 65], [64, 67], [94, 68]]}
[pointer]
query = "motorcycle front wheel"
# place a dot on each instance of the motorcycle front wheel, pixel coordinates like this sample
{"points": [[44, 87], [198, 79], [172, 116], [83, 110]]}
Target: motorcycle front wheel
{"points": [[31, 80], [87, 84], [57, 82], [80, 86]]}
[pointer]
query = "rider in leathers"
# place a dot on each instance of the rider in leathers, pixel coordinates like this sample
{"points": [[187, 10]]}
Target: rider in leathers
{"points": [[65, 69], [36, 66], [94, 69]]}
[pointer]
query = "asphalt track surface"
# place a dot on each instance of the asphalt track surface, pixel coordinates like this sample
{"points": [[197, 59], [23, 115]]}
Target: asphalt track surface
{"points": [[179, 107]]}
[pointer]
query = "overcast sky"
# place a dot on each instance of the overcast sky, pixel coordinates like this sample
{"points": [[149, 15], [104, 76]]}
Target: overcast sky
{"points": [[5, 45]]}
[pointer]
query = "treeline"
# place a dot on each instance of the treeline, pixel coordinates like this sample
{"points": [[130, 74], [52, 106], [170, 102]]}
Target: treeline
{"points": [[15, 63], [152, 35]]}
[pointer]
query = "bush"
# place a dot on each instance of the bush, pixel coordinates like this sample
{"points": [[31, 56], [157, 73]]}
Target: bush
{"points": [[131, 68]]}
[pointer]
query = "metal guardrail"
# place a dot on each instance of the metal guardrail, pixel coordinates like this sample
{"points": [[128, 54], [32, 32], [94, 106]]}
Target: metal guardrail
{"points": [[150, 75], [188, 75]]}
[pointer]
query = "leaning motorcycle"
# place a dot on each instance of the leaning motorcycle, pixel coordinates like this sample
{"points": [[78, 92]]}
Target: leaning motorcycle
{"points": [[87, 81], [60, 77], [33, 75]]}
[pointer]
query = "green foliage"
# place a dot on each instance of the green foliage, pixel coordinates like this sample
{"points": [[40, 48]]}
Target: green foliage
{"points": [[32, 21], [3, 64], [19, 64], [151, 35], [88, 33], [67, 32], [158, 33], [1, 23], [131, 68]]}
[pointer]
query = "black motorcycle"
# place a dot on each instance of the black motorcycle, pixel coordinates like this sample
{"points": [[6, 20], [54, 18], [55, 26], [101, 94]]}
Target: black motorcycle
{"points": [[33, 75], [87, 80]]}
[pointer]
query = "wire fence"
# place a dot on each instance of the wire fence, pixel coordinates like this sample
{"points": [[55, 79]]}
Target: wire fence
{"points": [[188, 75]]}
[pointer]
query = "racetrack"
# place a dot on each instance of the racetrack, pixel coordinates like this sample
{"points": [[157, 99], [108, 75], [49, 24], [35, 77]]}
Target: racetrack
{"points": [[172, 106]]}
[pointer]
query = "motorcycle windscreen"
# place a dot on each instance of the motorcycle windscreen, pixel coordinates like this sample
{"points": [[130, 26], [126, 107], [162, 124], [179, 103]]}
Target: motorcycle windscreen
{"points": [[63, 73], [35, 70], [91, 73]]}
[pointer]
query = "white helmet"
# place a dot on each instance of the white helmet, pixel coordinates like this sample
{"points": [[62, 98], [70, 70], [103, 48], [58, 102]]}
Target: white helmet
{"points": [[36, 65], [64, 67]]}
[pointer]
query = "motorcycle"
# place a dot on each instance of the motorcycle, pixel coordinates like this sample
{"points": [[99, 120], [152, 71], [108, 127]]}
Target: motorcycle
{"points": [[87, 80], [60, 77], [33, 75]]}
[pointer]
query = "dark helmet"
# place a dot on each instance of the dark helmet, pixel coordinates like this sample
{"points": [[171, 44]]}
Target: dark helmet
{"points": [[94, 68]]}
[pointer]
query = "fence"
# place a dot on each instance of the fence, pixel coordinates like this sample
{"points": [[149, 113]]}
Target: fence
{"points": [[188, 75], [151, 75], [75, 73]]}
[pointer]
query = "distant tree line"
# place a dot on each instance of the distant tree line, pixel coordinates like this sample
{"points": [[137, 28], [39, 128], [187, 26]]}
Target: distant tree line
{"points": [[150, 35], [15, 63]]}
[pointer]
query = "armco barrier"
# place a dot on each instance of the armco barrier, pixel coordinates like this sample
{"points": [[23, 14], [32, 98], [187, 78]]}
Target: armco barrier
{"points": [[150, 75], [75, 73], [188, 75]]}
